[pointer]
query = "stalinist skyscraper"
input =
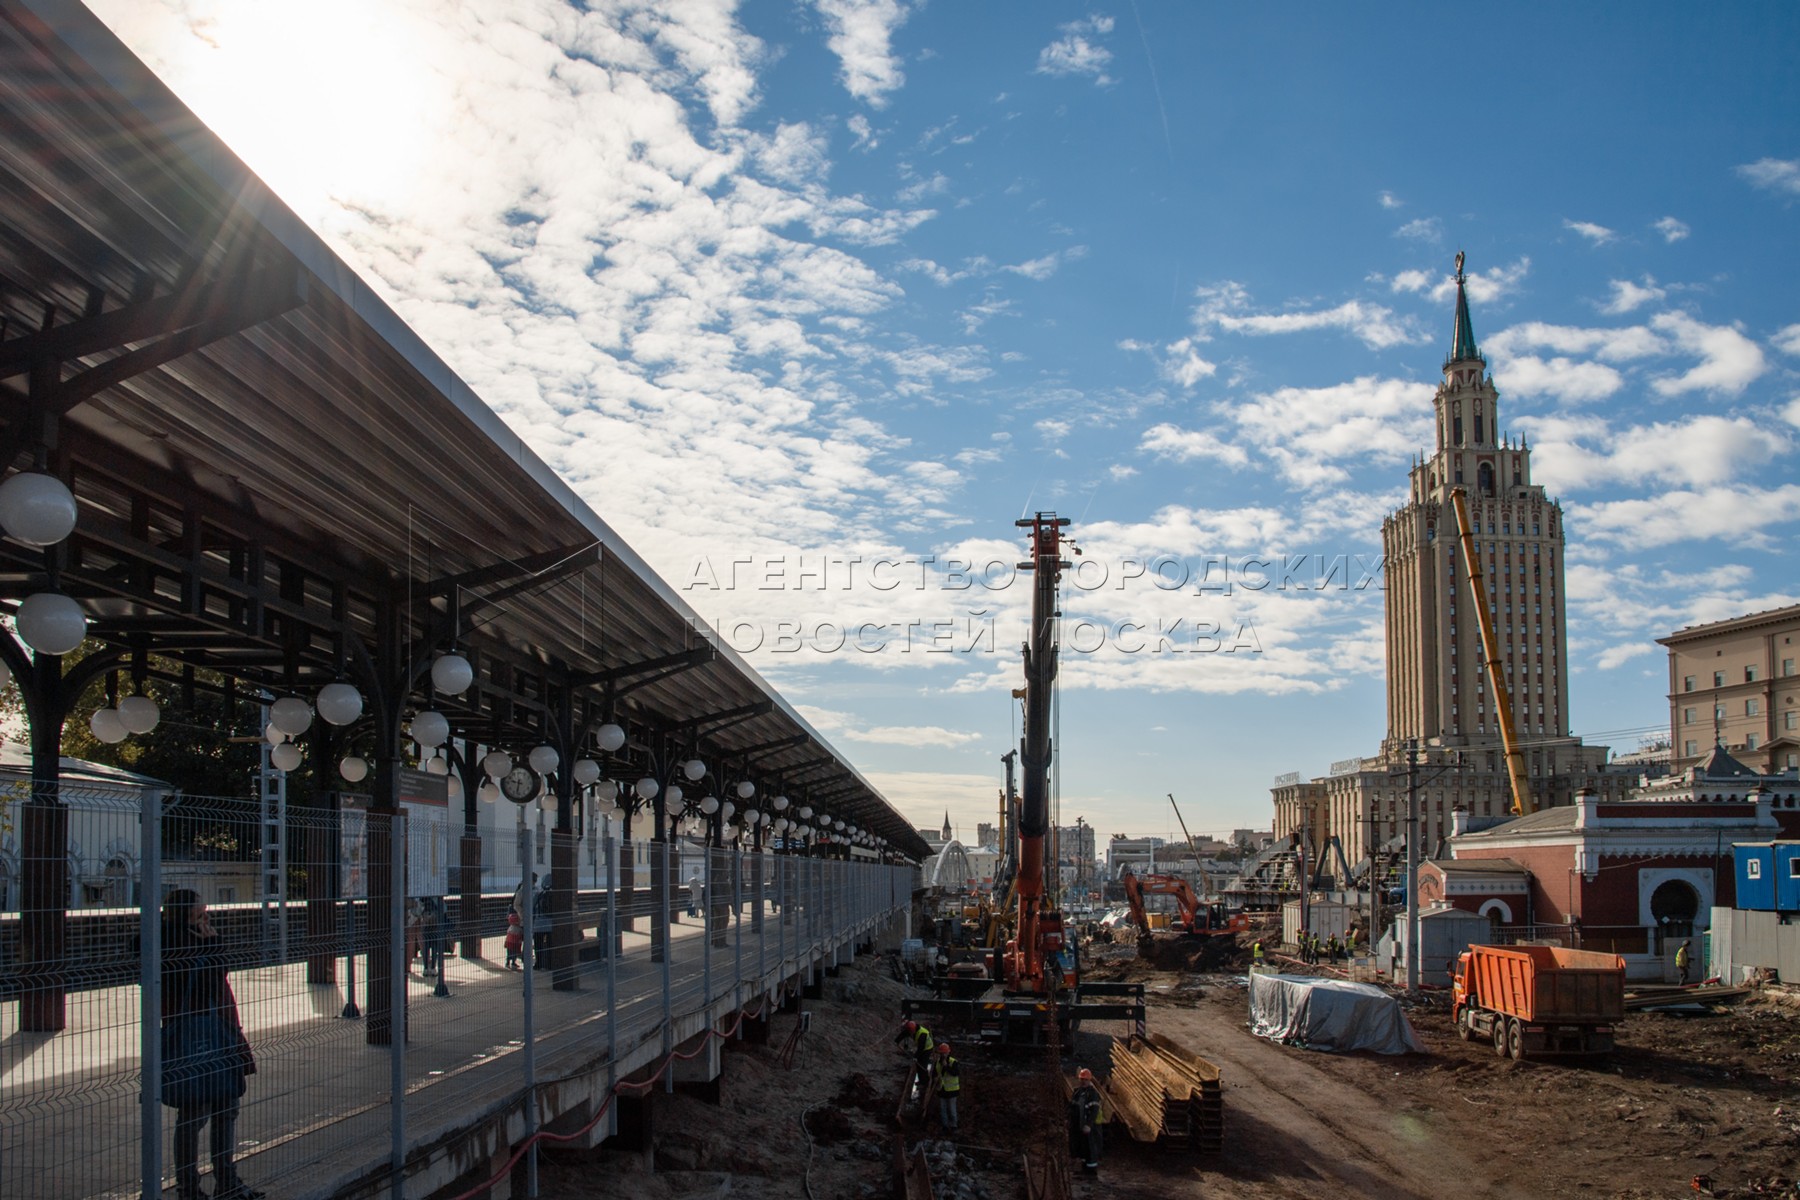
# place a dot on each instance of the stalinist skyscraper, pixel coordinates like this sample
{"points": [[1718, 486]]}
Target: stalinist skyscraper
{"points": [[1436, 687], [1439, 703]]}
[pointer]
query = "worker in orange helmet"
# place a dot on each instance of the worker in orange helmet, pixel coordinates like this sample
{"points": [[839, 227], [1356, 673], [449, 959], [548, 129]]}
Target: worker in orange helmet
{"points": [[949, 1086], [916, 1038], [1084, 1121]]}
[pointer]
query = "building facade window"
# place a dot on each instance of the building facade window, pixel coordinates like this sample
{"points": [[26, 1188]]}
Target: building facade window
{"points": [[1687, 683], [1718, 679], [1752, 707]]}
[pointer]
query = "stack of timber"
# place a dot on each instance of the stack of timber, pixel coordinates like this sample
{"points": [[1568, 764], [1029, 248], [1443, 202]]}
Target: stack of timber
{"points": [[1165, 1094]]}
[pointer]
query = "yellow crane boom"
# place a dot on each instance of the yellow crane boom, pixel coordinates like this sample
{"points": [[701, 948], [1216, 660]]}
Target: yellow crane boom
{"points": [[1490, 660]]}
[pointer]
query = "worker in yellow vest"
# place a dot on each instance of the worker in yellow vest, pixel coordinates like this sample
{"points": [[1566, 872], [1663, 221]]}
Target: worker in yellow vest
{"points": [[1681, 962], [949, 1086], [1256, 955]]}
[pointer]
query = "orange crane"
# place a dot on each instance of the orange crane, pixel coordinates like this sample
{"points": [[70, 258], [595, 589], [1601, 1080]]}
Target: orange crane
{"points": [[1490, 660]]}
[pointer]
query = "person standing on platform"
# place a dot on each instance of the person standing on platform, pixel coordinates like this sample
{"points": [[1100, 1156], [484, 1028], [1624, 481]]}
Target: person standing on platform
{"points": [[206, 1057], [1084, 1121]]}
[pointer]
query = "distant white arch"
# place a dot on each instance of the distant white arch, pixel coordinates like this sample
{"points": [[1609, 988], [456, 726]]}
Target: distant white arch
{"points": [[949, 868]]}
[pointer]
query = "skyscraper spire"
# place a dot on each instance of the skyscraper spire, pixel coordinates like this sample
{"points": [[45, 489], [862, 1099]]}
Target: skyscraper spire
{"points": [[1462, 346]]}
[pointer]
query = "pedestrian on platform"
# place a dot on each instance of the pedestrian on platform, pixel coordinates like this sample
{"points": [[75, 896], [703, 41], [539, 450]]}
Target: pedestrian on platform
{"points": [[206, 1057], [540, 926], [1682, 958], [694, 888], [1084, 1121], [431, 945], [949, 1086], [515, 940]]}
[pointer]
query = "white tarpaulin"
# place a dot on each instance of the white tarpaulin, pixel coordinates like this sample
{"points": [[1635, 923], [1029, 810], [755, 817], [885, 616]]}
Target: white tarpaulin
{"points": [[1329, 1014]]}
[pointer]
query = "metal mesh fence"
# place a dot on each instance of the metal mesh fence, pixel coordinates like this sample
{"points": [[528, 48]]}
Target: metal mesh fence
{"points": [[126, 936]]}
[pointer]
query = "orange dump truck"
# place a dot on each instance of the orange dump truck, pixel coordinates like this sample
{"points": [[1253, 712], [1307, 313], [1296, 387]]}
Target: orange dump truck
{"points": [[1539, 999]]}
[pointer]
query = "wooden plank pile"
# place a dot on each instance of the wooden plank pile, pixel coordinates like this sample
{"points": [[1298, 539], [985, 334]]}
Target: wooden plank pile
{"points": [[1165, 1094]]}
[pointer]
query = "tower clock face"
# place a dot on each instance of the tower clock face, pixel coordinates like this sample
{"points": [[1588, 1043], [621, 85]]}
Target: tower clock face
{"points": [[520, 784]]}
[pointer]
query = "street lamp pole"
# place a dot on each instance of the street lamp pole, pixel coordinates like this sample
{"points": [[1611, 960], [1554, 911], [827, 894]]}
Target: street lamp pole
{"points": [[1412, 865]]}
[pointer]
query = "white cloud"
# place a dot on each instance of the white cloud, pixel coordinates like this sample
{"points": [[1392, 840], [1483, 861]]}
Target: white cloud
{"points": [[1597, 234], [1739, 516], [1185, 445], [1309, 432], [1703, 451], [1483, 287], [1183, 364], [1561, 378], [1671, 229], [1389, 200], [862, 34], [793, 154], [1624, 652], [1053, 429], [1787, 340], [1120, 472], [1074, 54], [1613, 345], [844, 725], [1375, 326], [1413, 280], [1730, 360], [1422, 229], [1627, 295], [1775, 174], [862, 131]]}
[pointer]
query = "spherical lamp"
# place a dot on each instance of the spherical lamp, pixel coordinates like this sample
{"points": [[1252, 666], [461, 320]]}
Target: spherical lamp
{"points": [[291, 715], [36, 508], [646, 788], [544, 759], [430, 728], [781, 803], [139, 714], [451, 674], [437, 764], [51, 623], [609, 737], [107, 727], [607, 790], [806, 812], [273, 735], [488, 792], [746, 790], [585, 771], [694, 769], [453, 788], [285, 757], [710, 805], [354, 768], [339, 703], [726, 809], [496, 763], [548, 802]]}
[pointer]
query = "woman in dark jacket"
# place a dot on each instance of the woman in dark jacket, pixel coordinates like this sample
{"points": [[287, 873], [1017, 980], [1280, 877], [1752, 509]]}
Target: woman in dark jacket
{"points": [[194, 984]]}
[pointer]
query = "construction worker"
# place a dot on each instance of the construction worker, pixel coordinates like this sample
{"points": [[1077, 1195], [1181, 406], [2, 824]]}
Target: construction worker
{"points": [[949, 1086], [1084, 1121], [1256, 955], [916, 1038], [1682, 957], [1332, 949]]}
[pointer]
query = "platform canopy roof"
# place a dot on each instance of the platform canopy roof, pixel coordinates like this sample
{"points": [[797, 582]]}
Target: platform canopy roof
{"points": [[278, 480]]}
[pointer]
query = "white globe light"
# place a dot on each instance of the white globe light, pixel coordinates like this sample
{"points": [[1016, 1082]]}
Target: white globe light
{"points": [[453, 788], [752, 816], [437, 764], [107, 727], [607, 790], [694, 769], [36, 508], [488, 792], [285, 757], [726, 809], [291, 715], [496, 763], [746, 790], [273, 735], [430, 728], [585, 771], [675, 794], [451, 674], [339, 703], [710, 805], [353, 768], [610, 737], [139, 714], [544, 759], [781, 803], [646, 788], [548, 802], [838, 825], [806, 812], [51, 623]]}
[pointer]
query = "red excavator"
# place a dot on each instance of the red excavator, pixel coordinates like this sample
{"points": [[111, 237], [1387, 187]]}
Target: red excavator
{"points": [[1198, 919]]}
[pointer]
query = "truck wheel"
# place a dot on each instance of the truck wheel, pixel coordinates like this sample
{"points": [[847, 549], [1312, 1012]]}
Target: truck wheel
{"points": [[1464, 1030], [1515, 1041], [1500, 1036]]}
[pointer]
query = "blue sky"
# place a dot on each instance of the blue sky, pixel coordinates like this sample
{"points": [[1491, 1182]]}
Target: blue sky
{"points": [[843, 287]]}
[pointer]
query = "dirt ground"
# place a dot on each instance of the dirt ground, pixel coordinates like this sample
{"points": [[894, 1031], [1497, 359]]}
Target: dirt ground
{"points": [[1709, 1101]]}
